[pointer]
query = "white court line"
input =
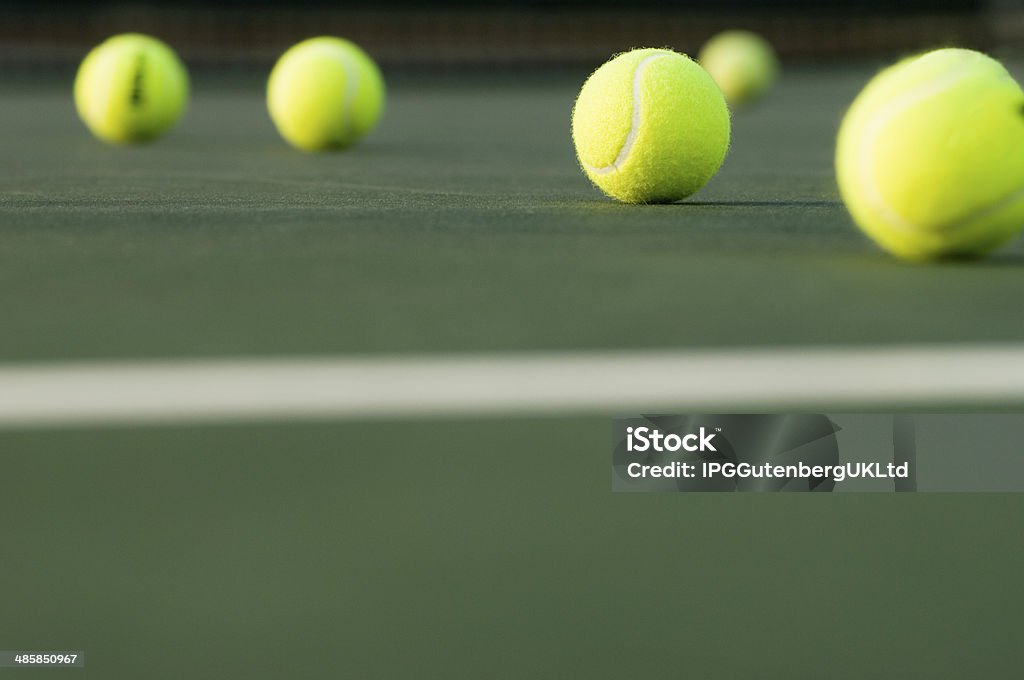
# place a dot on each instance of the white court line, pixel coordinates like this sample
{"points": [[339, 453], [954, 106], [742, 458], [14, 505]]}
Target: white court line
{"points": [[187, 391]]}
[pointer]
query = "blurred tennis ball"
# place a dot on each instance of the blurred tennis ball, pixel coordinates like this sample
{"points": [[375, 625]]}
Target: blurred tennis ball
{"points": [[930, 156], [743, 64], [650, 126], [325, 93], [131, 88]]}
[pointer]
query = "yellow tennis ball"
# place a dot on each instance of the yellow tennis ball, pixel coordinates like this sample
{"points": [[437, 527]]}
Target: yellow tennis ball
{"points": [[325, 93], [131, 88], [650, 126], [742, 63], [930, 156]]}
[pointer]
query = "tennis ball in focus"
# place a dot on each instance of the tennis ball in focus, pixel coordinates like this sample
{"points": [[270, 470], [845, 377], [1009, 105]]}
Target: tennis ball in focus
{"points": [[742, 63], [325, 93], [930, 156], [650, 126], [132, 88]]}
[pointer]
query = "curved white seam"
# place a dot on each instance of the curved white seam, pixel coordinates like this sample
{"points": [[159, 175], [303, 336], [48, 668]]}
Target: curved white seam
{"points": [[351, 68], [874, 195], [987, 210], [634, 129]]}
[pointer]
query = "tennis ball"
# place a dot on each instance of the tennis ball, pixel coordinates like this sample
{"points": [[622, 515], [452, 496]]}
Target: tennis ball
{"points": [[131, 88], [325, 93], [743, 64], [930, 156], [650, 126]]}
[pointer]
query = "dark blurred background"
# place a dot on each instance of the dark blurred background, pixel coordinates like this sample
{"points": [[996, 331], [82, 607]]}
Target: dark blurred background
{"points": [[455, 33]]}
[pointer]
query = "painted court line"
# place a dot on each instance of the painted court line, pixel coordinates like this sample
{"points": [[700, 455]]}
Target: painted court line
{"points": [[185, 391]]}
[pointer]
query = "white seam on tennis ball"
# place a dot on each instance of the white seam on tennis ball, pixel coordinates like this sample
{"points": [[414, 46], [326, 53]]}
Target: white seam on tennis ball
{"points": [[351, 68], [634, 129], [874, 195], [1017, 195]]}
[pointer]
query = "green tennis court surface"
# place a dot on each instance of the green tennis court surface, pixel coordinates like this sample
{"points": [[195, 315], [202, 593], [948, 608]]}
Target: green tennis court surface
{"points": [[463, 224], [484, 549], [477, 548]]}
